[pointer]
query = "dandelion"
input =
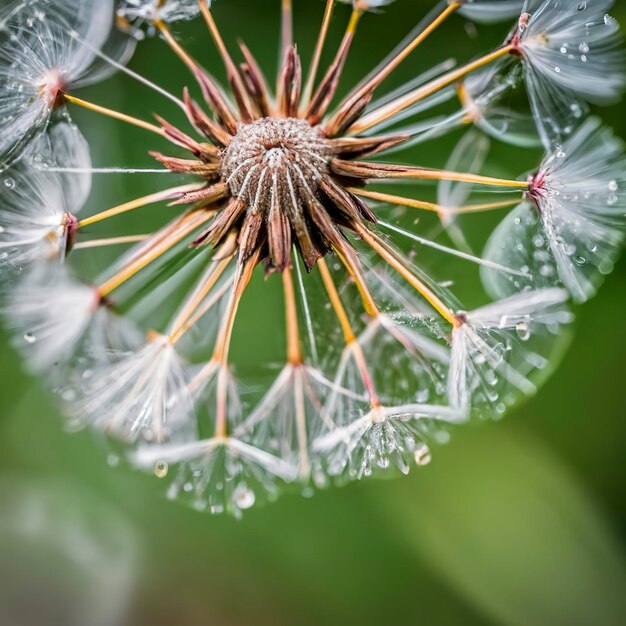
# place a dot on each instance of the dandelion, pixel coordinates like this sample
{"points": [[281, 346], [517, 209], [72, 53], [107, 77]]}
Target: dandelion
{"points": [[286, 190]]}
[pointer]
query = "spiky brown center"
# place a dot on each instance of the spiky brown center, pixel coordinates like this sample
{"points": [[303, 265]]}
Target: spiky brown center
{"points": [[276, 160]]}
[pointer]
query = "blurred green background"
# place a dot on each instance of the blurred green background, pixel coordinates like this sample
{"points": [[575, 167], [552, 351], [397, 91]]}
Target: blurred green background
{"points": [[518, 522]]}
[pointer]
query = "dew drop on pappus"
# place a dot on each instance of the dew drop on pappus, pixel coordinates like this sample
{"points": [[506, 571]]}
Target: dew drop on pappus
{"points": [[422, 455], [160, 469]]}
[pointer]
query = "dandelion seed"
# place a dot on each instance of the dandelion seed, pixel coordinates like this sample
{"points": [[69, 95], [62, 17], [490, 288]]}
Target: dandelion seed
{"points": [[40, 60], [218, 475], [571, 227], [383, 437], [145, 391], [488, 363], [49, 312], [592, 67], [38, 217]]}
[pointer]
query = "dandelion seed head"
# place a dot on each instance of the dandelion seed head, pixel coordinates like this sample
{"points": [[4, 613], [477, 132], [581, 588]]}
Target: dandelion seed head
{"points": [[371, 357]]}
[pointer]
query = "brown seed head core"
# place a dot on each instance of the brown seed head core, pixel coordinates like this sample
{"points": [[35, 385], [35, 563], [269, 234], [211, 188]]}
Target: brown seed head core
{"points": [[276, 160]]}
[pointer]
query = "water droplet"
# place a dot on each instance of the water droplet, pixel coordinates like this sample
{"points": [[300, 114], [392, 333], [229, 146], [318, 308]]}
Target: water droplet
{"points": [[68, 395], [383, 462], [613, 186], [582, 6], [523, 331], [9, 183], [243, 497], [160, 469], [30, 338], [113, 460], [491, 378], [422, 396], [422, 455]]}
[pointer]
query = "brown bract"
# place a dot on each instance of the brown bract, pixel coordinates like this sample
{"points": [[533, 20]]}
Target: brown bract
{"points": [[270, 168]]}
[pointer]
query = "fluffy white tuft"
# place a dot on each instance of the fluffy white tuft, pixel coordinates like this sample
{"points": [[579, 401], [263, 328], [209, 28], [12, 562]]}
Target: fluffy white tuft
{"points": [[571, 229], [499, 348], [49, 312]]}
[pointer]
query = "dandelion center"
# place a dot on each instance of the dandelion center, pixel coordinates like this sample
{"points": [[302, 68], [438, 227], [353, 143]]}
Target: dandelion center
{"points": [[270, 155]]}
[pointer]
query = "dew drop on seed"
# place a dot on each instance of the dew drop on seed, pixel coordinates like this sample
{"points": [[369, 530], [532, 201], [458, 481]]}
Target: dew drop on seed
{"points": [[68, 395], [422, 455], [523, 331], [113, 460], [613, 186], [30, 338], [160, 469], [243, 497], [9, 183]]}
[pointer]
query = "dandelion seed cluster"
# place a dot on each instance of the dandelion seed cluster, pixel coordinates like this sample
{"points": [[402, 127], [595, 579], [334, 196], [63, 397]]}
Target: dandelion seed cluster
{"points": [[288, 181]]}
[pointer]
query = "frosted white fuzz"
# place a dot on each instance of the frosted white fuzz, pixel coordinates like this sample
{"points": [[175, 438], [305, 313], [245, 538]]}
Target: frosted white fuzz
{"points": [[490, 11], [37, 210], [383, 437], [39, 59], [168, 11], [142, 393], [49, 312], [571, 228], [490, 365], [218, 474], [289, 416], [572, 52]]}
